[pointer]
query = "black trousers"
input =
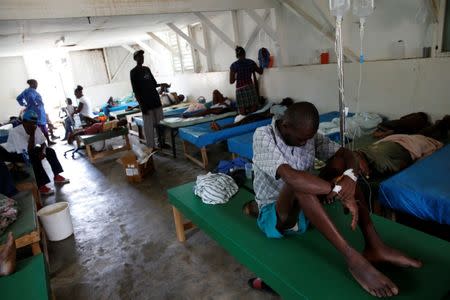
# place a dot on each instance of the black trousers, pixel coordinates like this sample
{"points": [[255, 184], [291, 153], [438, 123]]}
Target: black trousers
{"points": [[7, 186], [36, 163]]}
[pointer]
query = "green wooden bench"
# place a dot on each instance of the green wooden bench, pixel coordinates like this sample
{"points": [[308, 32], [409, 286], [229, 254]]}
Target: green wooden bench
{"points": [[30, 281], [88, 140], [307, 266]]}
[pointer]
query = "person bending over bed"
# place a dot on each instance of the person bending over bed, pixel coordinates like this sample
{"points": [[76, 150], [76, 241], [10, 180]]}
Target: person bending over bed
{"points": [[220, 105], [265, 113], [288, 196], [97, 128]]}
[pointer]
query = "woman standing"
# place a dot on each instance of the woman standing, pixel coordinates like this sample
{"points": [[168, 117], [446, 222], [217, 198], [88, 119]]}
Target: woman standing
{"points": [[84, 107], [32, 101], [241, 72]]}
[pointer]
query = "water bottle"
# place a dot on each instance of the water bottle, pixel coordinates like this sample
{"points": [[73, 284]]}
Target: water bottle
{"points": [[338, 8]]}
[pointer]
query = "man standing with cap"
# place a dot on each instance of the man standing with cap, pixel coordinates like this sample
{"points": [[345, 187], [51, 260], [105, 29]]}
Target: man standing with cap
{"points": [[144, 88], [26, 143]]}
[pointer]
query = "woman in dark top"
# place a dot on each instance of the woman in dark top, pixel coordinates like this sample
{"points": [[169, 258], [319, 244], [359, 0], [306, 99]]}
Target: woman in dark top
{"points": [[241, 72]]}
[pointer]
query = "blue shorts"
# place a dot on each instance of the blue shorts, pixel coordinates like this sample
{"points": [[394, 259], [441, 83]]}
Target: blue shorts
{"points": [[267, 222]]}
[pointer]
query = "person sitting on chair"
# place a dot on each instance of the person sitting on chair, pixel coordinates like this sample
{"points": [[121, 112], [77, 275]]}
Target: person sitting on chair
{"points": [[69, 122], [28, 140]]}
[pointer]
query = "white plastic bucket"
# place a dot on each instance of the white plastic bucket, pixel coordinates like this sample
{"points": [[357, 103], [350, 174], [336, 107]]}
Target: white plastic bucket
{"points": [[56, 221]]}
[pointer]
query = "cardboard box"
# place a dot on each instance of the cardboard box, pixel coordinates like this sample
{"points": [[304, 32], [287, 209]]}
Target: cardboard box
{"points": [[135, 170]]}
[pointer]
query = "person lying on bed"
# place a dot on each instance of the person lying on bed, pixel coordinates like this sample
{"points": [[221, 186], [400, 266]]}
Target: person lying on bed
{"points": [[268, 111], [415, 123], [220, 105], [97, 128], [288, 195], [398, 151]]}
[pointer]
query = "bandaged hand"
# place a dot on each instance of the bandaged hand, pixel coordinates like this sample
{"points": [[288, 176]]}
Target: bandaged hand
{"points": [[346, 194]]}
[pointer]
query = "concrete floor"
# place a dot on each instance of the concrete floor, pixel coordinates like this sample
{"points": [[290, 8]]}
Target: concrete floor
{"points": [[124, 245]]}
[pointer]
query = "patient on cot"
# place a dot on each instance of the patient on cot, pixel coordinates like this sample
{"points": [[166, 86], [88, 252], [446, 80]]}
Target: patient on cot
{"points": [[288, 195], [267, 111], [415, 123], [220, 105], [398, 151], [97, 128]]}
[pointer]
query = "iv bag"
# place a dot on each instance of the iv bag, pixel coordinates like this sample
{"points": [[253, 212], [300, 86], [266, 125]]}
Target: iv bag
{"points": [[338, 8], [363, 8]]}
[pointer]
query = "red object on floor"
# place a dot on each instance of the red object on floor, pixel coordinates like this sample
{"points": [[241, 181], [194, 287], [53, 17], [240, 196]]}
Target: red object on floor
{"points": [[324, 58], [59, 179], [45, 190]]}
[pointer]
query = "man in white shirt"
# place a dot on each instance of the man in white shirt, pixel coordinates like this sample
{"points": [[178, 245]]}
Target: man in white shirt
{"points": [[26, 143]]}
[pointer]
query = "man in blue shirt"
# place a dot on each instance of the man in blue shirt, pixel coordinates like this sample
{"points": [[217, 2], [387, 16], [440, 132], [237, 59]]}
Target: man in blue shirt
{"points": [[32, 100]]}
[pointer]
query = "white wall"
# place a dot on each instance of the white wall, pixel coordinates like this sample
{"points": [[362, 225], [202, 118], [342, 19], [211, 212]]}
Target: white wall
{"points": [[392, 88], [99, 94], [13, 76]]}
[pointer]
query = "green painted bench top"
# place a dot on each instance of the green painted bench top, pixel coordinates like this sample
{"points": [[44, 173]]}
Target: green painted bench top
{"points": [[89, 139], [30, 281], [26, 220], [307, 266]]}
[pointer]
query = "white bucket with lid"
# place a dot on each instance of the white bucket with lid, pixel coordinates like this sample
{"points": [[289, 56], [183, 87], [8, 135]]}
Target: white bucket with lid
{"points": [[56, 221]]}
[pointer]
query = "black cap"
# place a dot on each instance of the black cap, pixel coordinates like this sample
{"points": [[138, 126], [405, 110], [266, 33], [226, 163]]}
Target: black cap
{"points": [[138, 52]]}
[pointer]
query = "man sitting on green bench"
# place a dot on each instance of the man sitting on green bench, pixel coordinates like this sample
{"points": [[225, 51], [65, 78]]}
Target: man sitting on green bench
{"points": [[287, 195]]}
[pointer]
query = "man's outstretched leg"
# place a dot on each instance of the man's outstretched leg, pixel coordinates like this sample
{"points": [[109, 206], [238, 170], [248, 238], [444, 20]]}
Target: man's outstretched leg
{"points": [[364, 273], [376, 251]]}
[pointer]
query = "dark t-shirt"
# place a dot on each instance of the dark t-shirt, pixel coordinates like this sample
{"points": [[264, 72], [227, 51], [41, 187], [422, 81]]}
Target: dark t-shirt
{"points": [[144, 88], [244, 69]]}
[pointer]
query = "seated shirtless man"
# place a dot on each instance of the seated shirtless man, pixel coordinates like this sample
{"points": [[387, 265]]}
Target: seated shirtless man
{"points": [[97, 128], [288, 196]]}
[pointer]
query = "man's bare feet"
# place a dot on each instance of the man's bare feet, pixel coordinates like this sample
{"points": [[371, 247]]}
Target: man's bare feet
{"points": [[384, 253], [370, 279], [8, 256]]}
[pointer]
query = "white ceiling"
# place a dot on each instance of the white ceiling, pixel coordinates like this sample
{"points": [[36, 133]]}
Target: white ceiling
{"points": [[18, 37]]}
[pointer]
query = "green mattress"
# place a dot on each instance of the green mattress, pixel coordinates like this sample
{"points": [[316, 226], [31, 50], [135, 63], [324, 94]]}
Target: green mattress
{"points": [[30, 281], [307, 266]]}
